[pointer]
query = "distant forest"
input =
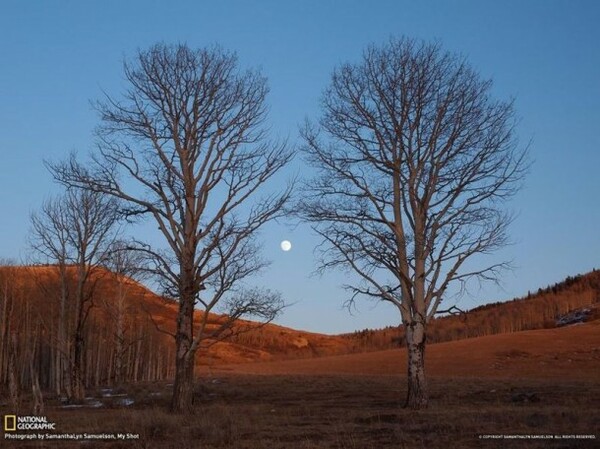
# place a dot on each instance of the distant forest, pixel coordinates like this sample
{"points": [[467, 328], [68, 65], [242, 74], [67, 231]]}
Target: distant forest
{"points": [[127, 328], [120, 342], [539, 310]]}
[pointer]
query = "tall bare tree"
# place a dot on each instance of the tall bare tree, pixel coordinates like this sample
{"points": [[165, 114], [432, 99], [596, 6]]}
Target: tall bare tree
{"points": [[186, 146], [73, 233], [416, 160]]}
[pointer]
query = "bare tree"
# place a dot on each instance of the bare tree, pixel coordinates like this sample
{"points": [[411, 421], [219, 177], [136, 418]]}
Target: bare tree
{"points": [[36, 391], [415, 160], [73, 233], [186, 146]]}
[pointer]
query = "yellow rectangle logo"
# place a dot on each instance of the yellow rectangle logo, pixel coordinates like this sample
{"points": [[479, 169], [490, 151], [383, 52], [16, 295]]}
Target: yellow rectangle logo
{"points": [[10, 423]]}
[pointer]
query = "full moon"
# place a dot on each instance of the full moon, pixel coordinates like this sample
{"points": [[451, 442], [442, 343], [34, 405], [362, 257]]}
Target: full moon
{"points": [[286, 245]]}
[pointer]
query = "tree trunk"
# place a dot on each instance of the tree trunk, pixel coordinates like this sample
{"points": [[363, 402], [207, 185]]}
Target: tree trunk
{"points": [[64, 373], [183, 388], [14, 396], [120, 332], [97, 372], [137, 356], [5, 343], [77, 371], [119, 358], [417, 396], [36, 392]]}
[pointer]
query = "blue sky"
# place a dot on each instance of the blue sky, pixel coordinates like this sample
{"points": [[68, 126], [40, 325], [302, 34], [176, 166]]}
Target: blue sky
{"points": [[56, 56]]}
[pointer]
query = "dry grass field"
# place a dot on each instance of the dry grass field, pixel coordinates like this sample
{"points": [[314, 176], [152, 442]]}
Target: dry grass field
{"points": [[345, 412], [503, 391], [571, 352]]}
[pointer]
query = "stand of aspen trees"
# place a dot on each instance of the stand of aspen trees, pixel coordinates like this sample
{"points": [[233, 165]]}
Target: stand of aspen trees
{"points": [[121, 341]]}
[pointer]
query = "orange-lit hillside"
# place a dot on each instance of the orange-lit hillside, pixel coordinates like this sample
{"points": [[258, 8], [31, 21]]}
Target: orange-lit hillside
{"points": [[29, 314], [539, 310], [571, 352], [126, 323], [30, 310]]}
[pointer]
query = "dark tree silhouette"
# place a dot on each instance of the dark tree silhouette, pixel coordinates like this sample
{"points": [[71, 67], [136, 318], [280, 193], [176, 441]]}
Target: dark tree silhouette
{"points": [[186, 146], [416, 159]]}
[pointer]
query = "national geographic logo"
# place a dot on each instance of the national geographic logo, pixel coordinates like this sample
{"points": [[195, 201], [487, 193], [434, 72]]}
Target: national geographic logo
{"points": [[10, 423], [13, 423]]}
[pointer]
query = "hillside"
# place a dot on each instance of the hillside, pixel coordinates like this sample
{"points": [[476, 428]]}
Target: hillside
{"points": [[540, 310], [534, 311], [574, 353], [129, 329]]}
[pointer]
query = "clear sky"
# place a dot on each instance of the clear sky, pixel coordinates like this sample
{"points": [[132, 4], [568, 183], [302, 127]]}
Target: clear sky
{"points": [[56, 56]]}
